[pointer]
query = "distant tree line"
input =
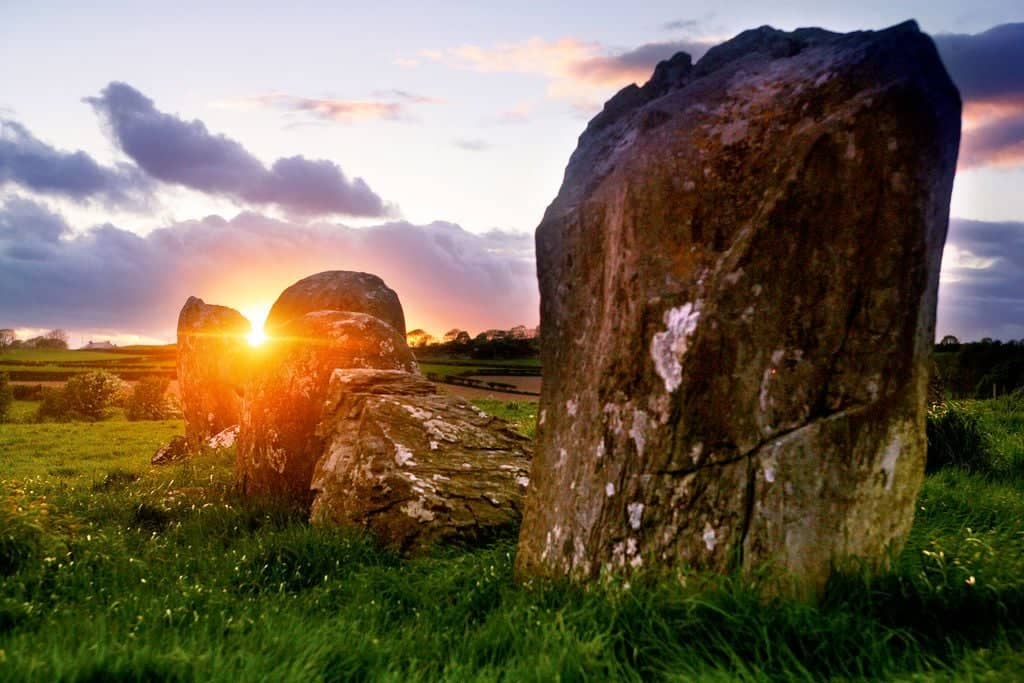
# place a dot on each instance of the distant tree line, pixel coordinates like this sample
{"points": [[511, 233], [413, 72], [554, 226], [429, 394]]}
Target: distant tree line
{"points": [[979, 369], [54, 339], [517, 342]]}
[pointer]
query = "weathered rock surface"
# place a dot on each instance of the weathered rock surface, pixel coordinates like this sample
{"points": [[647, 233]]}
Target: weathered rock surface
{"points": [[278, 444], [213, 358], [415, 466], [338, 290], [173, 451], [223, 440], [738, 284]]}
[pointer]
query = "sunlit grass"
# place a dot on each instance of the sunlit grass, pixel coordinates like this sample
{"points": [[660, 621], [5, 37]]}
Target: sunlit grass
{"points": [[114, 570]]}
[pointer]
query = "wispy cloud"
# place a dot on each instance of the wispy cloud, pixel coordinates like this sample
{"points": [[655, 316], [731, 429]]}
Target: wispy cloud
{"points": [[521, 112], [580, 72], [681, 25], [471, 144], [385, 105], [185, 153]]}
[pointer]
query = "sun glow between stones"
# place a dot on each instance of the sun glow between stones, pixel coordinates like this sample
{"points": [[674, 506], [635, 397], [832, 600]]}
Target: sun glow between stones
{"points": [[257, 315], [256, 337]]}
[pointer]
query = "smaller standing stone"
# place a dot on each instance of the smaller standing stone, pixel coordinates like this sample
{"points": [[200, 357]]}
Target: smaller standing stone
{"points": [[213, 358], [338, 290], [415, 466], [284, 399], [174, 450]]}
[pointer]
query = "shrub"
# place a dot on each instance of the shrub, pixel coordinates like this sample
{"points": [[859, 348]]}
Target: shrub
{"points": [[148, 399], [53, 405], [28, 392], [956, 439], [91, 393], [6, 396]]}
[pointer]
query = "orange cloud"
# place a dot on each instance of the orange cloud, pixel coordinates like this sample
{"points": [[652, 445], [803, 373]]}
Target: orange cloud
{"points": [[583, 73], [993, 133], [388, 105]]}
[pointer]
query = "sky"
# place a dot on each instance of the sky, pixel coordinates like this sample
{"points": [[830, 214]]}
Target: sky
{"points": [[153, 151]]}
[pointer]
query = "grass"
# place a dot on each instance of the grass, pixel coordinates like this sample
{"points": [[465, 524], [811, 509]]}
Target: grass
{"points": [[115, 571]]}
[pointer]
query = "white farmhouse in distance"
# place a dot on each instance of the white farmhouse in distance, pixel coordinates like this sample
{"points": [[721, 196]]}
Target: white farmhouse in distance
{"points": [[99, 345]]}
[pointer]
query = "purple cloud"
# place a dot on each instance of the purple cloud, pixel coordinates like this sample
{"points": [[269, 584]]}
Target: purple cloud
{"points": [[186, 153], [33, 165], [112, 279], [986, 67]]}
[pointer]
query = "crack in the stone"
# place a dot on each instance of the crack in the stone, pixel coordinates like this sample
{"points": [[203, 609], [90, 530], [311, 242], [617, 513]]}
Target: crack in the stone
{"points": [[753, 451]]}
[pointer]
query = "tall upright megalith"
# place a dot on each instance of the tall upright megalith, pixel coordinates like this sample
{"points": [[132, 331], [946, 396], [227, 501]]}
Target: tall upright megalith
{"points": [[738, 284]]}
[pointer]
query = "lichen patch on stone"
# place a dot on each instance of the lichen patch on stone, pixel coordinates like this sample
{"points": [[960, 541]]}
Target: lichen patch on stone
{"points": [[636, 513], [668, 347]]}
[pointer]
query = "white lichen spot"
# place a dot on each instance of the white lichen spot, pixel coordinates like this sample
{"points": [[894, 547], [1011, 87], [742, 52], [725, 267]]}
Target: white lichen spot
{"points": [[872, 387], [570, 407], [403, 456], [638, 432], [543, 416], [710, 538], [636, 514], [599, 452], [636, 561], [523, 481], [668, 347], [562, 457], [695, 451], [631, 546], [889, 458], [609, 489], [418, 511], [769, 474], [434, 445], [733, 278]]}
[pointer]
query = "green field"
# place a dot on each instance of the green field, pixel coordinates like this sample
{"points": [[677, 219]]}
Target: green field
{"points": [[40, 365], [113, 571], [56, 356]]}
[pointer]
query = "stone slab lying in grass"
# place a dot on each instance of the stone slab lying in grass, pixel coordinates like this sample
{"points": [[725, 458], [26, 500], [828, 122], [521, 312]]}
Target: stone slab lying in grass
{"points": [[413, 465]]}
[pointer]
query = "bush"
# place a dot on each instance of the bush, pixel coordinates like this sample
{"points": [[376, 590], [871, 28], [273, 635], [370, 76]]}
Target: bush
{"points": [[53, 405], [956, 439], [91, 393], [28, 392], [6, 396], [148, 399]]}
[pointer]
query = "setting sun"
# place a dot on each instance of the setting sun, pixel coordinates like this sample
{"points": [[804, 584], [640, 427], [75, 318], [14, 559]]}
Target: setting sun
{"points": [[257, 314], [256, 337]]}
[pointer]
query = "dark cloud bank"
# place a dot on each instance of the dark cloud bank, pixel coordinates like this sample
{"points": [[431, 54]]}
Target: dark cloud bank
{"points": [[988, 68], [165, 148], [110, 278], [186, 153], [34, 165]]}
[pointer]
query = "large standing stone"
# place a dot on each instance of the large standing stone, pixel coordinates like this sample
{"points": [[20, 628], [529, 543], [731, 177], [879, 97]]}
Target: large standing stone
{"points": [[338, 290], [278, 444], [415, 466], [213, 357], [738, 285]]}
